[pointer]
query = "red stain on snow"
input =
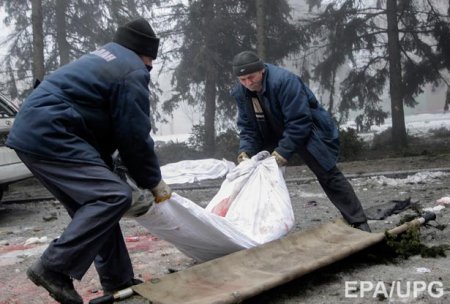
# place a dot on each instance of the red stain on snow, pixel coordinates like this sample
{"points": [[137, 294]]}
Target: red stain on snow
{"points": [[15, 247], [140, 243], [16, 288]]}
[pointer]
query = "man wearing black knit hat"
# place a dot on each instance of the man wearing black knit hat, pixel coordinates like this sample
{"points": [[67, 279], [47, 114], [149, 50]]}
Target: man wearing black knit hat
{"points": [[66, 133], [277, 112]]}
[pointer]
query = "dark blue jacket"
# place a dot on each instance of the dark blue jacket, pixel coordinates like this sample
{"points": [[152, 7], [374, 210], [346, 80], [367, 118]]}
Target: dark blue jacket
{"points": [[292, 109], [87, 109]]}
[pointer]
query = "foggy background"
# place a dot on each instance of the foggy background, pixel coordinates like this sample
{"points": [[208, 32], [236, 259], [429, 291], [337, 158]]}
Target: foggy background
{"points": [[305, 37]]}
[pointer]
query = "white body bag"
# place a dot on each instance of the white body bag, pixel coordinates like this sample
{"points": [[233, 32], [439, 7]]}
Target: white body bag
{"points": [[251, 208]]}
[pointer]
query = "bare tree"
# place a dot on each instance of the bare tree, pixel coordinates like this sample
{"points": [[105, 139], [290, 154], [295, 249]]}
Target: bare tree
{"points": [[61, 32], [261, 40], [395, 75], [38, 39]]}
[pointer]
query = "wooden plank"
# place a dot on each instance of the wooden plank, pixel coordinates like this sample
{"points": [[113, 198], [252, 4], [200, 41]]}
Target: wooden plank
{"points": [[246, 273]]}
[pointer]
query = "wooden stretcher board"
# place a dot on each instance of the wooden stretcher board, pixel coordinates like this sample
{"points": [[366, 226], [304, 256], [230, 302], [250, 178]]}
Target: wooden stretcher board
{"points": [[246, 273]]}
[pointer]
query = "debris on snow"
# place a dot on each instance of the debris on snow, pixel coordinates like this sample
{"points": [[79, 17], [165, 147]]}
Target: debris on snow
{"points": [[380, 212], [36, 240], [423, 270], [132, 239], [418, 178], [435, 209], [50, 217], [444, 200]]}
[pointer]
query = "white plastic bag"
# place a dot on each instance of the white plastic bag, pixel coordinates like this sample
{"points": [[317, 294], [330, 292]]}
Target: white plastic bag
{"points": [[252, 207], [190, 171], [255, 199], [196, 232]]}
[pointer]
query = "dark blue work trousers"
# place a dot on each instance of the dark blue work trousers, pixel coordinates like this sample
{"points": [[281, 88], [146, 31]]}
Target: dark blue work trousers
{"points": [[95, 199], [337, 188]]}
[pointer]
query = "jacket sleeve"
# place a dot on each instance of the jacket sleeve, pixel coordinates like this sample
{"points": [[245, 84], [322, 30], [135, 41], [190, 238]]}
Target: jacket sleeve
{"points": [[298, 123], [130, 110], [249, 141]]}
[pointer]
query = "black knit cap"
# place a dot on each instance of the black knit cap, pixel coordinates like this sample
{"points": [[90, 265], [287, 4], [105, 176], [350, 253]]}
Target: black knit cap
{"points": [[246, 62], [138, 36]]}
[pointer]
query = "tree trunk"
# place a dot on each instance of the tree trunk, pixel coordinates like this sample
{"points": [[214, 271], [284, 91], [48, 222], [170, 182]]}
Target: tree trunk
{"points": [[61, 32], [12, 86], [447, 100], [210, 111], [399, 138], [261, 29], [131, 5], [333, 81], [210, 80], [38, 40]]}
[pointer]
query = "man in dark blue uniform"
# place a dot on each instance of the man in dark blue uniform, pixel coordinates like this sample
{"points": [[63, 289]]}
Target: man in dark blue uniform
{"points": [[66, 133], [279, 113]]}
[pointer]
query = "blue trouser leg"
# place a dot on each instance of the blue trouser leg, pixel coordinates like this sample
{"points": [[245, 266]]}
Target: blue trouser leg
{"points": [[96, 199], [114, 269], [337, 188]]}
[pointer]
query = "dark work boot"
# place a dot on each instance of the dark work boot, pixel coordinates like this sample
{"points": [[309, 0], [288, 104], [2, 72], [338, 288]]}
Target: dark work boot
{"points": [[130, 283], [60, 286], [362, 226]]}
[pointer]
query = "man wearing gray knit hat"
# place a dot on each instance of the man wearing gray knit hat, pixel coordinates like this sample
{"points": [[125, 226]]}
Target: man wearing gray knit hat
{"points": [[246, 63], [66, 133], [277, 112]]}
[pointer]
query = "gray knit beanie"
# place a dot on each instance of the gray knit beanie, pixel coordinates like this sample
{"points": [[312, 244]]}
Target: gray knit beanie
{"points": [[246, 62]]}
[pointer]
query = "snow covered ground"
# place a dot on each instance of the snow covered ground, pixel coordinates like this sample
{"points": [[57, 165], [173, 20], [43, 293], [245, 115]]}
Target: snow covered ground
{"points": [[416, 125], [414, 179]]}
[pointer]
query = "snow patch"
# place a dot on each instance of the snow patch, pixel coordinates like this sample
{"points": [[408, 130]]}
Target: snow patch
{"points": [[418, 178]]}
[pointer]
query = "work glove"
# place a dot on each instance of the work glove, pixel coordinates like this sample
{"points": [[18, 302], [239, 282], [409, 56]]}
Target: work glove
{"points": [[143, 199], [242, 156], [161, 192], [281, 161]]}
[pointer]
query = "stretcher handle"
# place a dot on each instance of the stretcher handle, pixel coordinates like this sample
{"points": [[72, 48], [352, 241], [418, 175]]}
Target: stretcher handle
{"points": [[111, 298], [425, 218]]}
